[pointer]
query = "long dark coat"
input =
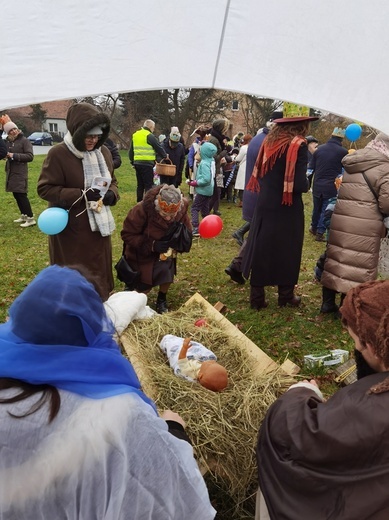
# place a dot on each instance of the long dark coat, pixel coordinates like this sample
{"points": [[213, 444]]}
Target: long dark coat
{"points": [[275, 242], [16, 169], [327, 460], [60, 183], [3, 149], [141, 227]]}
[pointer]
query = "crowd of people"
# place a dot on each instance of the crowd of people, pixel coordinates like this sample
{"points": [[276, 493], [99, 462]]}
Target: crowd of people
{"points": [[61, 368]]}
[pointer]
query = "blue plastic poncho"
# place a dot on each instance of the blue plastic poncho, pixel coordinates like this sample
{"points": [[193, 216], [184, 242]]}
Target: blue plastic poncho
{"points": [[59, 334]]}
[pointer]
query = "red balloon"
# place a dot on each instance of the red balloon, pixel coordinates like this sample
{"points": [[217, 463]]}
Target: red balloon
{"points": [[210, 226]]}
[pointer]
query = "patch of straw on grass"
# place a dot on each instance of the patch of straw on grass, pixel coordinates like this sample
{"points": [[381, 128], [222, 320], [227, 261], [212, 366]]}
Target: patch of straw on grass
{"points": [[223, 426]]}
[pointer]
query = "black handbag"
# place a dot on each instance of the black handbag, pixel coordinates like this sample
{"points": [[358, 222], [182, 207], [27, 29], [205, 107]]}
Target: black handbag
{"points": [[179, 237], [126, 274]]}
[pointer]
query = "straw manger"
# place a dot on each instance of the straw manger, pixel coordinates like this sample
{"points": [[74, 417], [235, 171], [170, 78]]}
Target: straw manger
{"points": [[223, 426]]}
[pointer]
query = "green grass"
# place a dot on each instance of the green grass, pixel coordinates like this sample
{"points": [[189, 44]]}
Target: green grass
{"points": [[281, 333]]}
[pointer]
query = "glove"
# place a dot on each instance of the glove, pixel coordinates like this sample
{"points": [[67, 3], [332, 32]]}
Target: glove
{"points": [[160, 246], [93, 195], [192, 183], [109, 198]]}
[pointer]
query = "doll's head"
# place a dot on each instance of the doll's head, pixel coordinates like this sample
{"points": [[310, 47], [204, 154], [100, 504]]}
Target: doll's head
{"points": [[212, 376]]}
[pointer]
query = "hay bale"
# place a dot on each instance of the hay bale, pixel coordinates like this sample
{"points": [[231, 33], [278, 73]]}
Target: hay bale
{"points": [[223, 426]]}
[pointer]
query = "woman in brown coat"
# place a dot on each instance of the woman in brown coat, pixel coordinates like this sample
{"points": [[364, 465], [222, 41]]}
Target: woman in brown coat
{"points": [[357, 225], [65, 181], [144, 235], [19, 153]]}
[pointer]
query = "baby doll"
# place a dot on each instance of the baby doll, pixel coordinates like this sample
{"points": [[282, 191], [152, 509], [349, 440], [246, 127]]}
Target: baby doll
{"points": [[194, 362]]}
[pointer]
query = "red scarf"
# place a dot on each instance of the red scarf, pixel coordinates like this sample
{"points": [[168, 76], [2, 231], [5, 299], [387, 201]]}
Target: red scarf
{"points": [[267, 156]]}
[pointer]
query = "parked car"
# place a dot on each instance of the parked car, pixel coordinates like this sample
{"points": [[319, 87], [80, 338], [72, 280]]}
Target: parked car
{"points": [[41, 138]]}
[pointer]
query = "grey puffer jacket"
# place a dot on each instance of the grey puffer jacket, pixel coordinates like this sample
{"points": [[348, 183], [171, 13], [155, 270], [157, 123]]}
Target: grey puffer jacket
{"points": [[357, 222]]}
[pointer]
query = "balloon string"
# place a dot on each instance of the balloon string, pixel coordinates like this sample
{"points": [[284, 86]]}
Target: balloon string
{"points": [[83, 195]]}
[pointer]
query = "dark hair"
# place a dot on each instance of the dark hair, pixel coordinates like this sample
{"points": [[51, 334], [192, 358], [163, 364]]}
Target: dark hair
{"points": [[49, 395]]}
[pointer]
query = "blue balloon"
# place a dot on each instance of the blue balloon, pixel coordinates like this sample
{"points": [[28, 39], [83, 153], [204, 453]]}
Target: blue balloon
{"points": [[53, 220], [353, 132]]}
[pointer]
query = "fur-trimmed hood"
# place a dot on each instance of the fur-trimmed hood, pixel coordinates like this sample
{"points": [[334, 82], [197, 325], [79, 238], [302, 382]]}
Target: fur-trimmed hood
{"points": [[81, 118]]}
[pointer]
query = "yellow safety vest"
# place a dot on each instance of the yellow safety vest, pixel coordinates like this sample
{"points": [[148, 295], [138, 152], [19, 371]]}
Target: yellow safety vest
{"points": [[142, 150]]}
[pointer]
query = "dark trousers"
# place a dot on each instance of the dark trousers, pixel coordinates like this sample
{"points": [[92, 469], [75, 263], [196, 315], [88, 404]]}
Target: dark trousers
{"points": [[215, 199], [166, 179], [257, 295], [144, 178], [23, 204], [200, 204], [319, 207], [237, 261]]}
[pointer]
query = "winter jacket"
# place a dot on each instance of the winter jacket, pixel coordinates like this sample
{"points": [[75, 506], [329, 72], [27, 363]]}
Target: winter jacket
{"points": [[205, 181], [250, 197], [326, 164], [60, 183], [3, 149], [155, 147], [240, 182], [16, 168], [142, 226], [356, 224], [116, 159], [177, 156]]}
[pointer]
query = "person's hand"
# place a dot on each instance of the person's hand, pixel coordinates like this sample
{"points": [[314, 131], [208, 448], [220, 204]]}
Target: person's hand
{"points": [[109, 198], [192, 183], [10, 155], [312, 382], [168, 415], [160, 246], [93, 195]]}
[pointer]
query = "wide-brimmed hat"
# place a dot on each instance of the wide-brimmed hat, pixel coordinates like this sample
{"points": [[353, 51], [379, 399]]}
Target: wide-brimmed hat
{"points": [[293, 113]]}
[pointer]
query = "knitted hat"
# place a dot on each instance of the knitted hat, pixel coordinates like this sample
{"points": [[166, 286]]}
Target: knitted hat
{"points": [[338, 132], [9, 126], [311, 139], [175, 135], [96, 130], [169, 199], [366, 311]]}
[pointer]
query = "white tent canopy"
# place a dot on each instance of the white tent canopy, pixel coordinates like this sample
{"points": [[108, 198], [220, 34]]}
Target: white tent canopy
{"points": [[327, 54]]}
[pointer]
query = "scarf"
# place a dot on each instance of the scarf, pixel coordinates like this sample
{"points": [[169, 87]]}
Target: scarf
{"points": [[32, 342], [94, 165], [267, 156]]}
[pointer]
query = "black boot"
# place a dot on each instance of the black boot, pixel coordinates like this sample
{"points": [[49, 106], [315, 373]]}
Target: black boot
{"points": [[236, 276], [239, 233], [286, 296], [257, 297], [328, 301], [161, 304]]}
